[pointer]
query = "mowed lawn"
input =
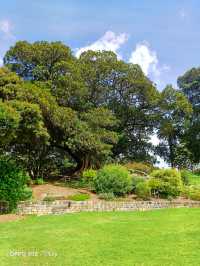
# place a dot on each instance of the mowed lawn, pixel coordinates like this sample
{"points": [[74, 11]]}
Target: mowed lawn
{"points": [[161, 237]]}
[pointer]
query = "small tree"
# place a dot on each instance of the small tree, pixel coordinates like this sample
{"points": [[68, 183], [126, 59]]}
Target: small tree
{"points": [[12, 183]]}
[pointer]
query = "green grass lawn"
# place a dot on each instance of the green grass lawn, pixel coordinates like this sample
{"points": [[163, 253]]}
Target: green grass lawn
{"points": [[161, 237]]}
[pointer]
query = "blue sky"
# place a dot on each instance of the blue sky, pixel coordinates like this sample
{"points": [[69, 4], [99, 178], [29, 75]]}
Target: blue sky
{"points": [[163, 37]]}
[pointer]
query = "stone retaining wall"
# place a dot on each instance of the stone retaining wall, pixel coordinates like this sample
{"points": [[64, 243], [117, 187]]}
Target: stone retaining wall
{"points": [[66, 206]]}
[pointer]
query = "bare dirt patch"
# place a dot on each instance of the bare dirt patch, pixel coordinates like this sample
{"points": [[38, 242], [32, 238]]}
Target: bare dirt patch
{"points": [[10, 217], [51, 190]]}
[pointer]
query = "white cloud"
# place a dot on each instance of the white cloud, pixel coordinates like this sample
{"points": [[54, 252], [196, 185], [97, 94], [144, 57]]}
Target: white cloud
{"points": [[147, 58], [1, 62], [6, 28], [110, 41]]}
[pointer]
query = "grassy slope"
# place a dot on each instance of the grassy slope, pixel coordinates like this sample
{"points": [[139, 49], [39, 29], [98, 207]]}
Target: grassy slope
{"points": [[162, 237]]}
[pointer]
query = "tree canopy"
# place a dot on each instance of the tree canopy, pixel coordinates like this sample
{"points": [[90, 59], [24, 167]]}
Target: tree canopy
{"points": [[57, 110]]}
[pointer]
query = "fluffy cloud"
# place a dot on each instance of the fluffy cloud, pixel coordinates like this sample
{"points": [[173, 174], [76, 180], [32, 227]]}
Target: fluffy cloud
{"points": [[1, 62], [110, 41], [146, 58]]}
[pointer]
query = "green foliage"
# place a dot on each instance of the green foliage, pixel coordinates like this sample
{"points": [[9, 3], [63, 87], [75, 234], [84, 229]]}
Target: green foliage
{"points": [[143, 190], [27, 193], [39, 181], [58, 108], [88, 175], [107, 196], [175, 111], [189, 84], [189, 177], [139, 167], [113, 179], [136, 180], [166, 183], [49, 199], [12, 183], [192, 192], [79, 197], [9, 122], [185, 175]]}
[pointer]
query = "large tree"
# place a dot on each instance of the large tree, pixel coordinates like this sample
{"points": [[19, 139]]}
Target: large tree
{"points": [[189, 84], [175, 111]]}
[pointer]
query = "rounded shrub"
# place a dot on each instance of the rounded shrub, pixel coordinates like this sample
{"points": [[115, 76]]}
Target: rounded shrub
{"points": [[107, 196], [12, 183], [89, 174], [193, 192], [136, 180], [39, 181], [143, 190], [114, 179], [166, 182]]}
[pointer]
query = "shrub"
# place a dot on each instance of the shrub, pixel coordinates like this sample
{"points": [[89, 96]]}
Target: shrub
{"points": [[135, 181], [113, 178], [193, 192], [39, 181], [156, 187], [89, 174], [107, 196], [79, 197], [88, 177], [12, 183], [170, 184], [143, 190], [185, 175], [49, 199], [141, 168], [27, 193]]}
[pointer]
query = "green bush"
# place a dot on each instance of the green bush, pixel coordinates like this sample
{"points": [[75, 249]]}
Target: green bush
{"points": [[79, 197], [113, 179], [193, 192], [49, 199], [156, 187], [89, 174], [139, 167], [107, 196], [143, 190], [135, 181], [88, 177], [39, 181], [27, 193], [185, 175], [169, 185], [12, 183]]}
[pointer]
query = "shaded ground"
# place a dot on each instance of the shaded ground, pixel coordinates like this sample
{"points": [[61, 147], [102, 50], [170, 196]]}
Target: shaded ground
{"points": [[51, 190]]}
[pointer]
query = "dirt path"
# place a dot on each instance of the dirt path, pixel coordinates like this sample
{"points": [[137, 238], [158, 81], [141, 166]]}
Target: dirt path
{"points": [[50, 190], [10, 217]]}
